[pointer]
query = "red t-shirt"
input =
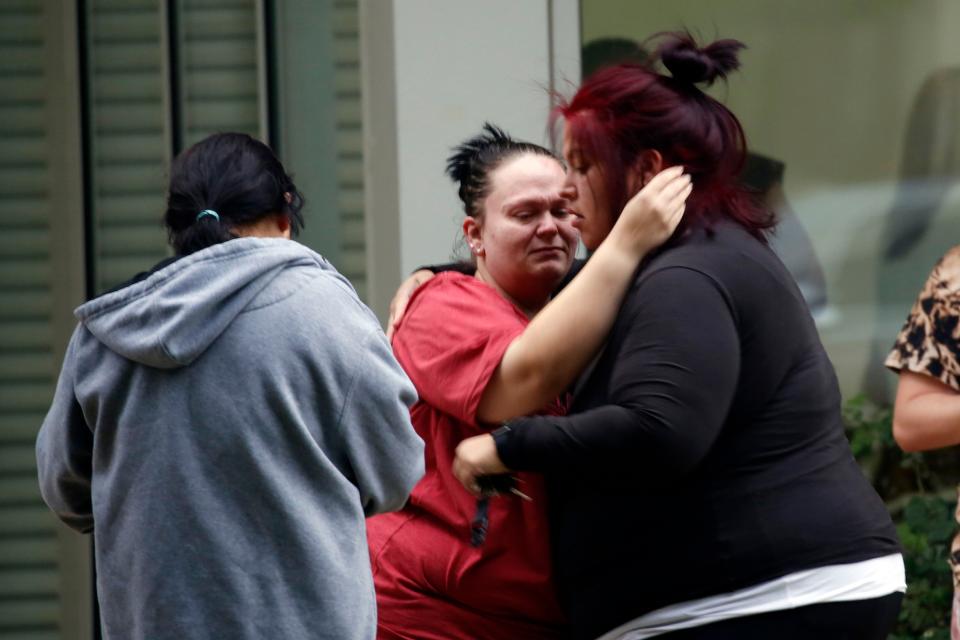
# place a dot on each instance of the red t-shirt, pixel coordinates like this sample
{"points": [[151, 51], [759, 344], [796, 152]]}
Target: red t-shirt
{"points": [[431, 583]]}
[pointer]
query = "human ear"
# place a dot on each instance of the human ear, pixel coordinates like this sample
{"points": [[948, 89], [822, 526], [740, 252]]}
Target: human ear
{"points": [[647, 164], [471, 231]]}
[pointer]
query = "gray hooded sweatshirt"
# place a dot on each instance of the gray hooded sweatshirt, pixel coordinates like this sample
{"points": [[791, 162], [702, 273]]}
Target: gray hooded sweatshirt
{"points": [[223, 426]]}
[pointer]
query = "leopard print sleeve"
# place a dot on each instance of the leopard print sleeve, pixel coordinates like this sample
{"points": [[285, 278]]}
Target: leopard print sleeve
{"points": [[929, 342]]}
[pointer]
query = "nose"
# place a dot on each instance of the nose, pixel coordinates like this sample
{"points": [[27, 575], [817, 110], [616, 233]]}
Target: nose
{"points": [[548, 226], [569, 190]]}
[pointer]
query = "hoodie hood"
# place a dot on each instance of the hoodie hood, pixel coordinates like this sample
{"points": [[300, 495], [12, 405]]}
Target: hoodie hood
{"points": [[170, 318]]}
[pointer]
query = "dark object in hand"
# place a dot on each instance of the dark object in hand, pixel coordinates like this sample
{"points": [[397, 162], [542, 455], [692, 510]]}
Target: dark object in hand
{"points": [[496, 485], [490, 486]]}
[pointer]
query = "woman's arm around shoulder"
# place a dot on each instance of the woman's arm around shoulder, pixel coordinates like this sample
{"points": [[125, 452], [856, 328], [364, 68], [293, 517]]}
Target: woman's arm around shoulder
{"points": [[672, 382], [562, 339]]}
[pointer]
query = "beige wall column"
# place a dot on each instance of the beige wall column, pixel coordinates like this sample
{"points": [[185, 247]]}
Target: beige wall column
{"points": [[67, 268]]}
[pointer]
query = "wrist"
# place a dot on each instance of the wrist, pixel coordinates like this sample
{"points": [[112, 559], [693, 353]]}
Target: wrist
{"points": [[500, 436], [630, 235], [618, 256]]}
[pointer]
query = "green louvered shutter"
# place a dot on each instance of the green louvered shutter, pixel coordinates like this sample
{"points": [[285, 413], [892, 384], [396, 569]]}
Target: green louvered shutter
{"points": [[31, 604], [219, 67], [346, 46], [128, 141], [219, 80], [216, 77], [217, 47]]}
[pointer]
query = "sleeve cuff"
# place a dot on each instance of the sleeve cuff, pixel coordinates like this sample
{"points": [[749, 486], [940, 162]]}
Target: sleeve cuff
{"points": [[509, 442]]}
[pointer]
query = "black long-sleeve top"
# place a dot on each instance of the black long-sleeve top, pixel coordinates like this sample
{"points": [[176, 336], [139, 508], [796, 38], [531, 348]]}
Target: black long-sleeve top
{"points": [[705, 452]]}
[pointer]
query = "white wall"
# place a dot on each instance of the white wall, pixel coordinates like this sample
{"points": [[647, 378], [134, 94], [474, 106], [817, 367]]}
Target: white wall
{"points": [[433, 73]]}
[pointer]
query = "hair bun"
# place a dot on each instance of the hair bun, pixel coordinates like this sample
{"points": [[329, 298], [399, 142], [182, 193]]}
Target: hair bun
{"points": [[688, 62], [472, 162], [467, 165], [465, 155]]}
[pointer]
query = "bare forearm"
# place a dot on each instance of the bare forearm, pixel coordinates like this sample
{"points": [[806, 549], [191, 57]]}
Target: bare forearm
{"points": [[928, 421], [562, 339], [926, 413], [569, 331]]}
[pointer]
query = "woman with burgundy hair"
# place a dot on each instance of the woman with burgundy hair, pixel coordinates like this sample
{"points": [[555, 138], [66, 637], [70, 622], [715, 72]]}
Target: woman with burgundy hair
{"points": [[701, 485]]}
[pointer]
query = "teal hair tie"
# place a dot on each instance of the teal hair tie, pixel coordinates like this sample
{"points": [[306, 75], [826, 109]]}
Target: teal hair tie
{"points": [[208, 212]]}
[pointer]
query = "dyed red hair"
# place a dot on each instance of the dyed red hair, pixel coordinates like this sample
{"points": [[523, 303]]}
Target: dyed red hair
{"points": [[621, 111]]}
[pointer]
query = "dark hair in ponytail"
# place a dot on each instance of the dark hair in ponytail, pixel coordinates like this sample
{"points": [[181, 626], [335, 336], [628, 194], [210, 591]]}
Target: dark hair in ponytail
{"points": [[474, 160], [235, 176], [621, 111]]}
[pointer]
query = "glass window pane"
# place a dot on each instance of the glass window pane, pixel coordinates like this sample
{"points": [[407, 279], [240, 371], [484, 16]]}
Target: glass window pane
{"points": [[316, 63], [852, 106]]}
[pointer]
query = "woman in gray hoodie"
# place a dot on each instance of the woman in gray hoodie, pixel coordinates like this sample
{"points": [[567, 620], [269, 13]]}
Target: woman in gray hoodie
{"points": [[224, 423]]}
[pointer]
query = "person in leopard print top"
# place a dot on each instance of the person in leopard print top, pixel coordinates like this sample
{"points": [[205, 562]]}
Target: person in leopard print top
{"points": [[929, 343], [927, 357]]}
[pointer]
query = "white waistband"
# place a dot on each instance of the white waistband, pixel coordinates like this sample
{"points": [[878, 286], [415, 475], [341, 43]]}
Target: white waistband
{"points": [[834, 583]]}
